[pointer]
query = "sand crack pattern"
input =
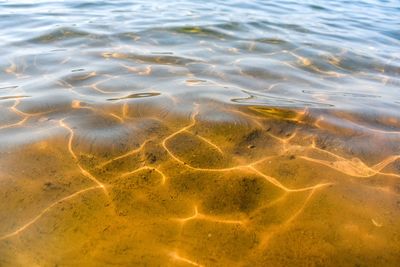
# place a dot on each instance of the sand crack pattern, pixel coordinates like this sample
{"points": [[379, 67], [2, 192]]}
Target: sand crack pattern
{"points": [[133, 184], [185, 133]]}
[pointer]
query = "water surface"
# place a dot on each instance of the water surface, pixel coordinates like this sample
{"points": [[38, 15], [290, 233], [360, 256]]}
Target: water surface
{"points": [[192, 133]]}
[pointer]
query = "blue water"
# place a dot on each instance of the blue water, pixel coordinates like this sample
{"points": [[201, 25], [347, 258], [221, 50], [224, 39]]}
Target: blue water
{"points": [[346, 51]]}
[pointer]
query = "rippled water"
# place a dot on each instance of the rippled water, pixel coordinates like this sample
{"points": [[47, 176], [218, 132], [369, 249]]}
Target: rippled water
{"points": [[192, 133]]}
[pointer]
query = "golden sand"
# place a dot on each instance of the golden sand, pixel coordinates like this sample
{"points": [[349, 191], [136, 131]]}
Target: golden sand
{"points": [[131, 185]]}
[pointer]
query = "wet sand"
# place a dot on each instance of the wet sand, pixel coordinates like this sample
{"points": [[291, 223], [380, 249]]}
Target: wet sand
{"points": [[254, 186], [186, 133]]}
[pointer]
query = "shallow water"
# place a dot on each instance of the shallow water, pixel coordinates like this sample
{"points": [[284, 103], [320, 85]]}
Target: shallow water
{"points": [[185, 133]]}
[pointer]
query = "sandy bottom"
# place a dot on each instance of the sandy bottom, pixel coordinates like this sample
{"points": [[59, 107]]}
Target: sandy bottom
{"points": [[133, 186]]}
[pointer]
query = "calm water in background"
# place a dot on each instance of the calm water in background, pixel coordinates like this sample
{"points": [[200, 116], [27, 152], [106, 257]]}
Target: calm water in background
{"points": [[343, 54], [228, 132]]}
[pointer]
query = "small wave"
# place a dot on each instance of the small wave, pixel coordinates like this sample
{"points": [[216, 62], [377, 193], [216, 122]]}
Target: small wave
{"points": [[9, 87], [13, 97], [340, 94], [138, 95], [60, 34], [151, 58], [261, 99]]}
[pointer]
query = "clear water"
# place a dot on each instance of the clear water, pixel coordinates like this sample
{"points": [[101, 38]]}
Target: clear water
{"points": [[206, 133]]}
